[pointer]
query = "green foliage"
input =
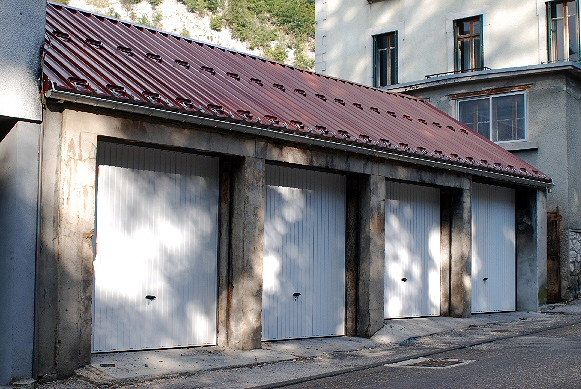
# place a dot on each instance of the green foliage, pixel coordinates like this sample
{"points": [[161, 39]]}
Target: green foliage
{"points": [[153, 23], [277, 53], [262, 22], [302, 61], [155, 3], [65, 2], [129, 3], [216, 23], [156, 19], [112, 13], [144, 21], [185, 33], [214, 5], [195, 5]]}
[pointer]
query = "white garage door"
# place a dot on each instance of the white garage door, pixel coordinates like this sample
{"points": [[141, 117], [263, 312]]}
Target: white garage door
{"points": [[493, 249], [304, 258], [412, 251], [156, 253]]}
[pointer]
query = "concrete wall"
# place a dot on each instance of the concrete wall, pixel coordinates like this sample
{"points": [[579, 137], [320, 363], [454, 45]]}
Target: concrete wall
{"points": [[553, 116], [65, 274], [514, 34], [18, 214], [22, 30]]}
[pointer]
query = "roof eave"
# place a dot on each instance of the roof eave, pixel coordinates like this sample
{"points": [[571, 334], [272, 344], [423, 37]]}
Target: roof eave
{"points": [[485, 75], [279, 134]]}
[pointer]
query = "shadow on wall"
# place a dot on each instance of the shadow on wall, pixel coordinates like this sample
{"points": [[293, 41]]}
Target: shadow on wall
{"points": [[412, 248], [304, 260], [504, 46], [156, 262], [18, 215]]}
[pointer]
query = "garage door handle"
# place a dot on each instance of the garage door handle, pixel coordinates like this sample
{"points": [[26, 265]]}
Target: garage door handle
{"points": [[404, 279], [150, 297], [485, 279], [296, 294]]}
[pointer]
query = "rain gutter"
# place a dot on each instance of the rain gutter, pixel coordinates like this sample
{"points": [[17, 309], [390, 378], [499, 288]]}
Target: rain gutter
{"points": [[269, 132]]}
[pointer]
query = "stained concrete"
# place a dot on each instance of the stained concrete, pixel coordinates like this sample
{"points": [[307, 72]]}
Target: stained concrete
{"points": [[460, 255], [64, 266], [246, 254], [370, 293], [275, 362]]}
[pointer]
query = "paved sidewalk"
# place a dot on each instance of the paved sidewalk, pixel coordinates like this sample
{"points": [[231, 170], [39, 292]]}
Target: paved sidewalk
{"points": [[281, 361]]}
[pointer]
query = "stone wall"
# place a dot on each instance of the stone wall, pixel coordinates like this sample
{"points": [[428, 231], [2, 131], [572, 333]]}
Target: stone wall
{"points": [[574, 285]]}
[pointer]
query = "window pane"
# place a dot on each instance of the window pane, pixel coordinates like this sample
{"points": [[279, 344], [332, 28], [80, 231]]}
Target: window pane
{"points": [[476, 115], [573, 38], [385, 59], [558, 40], [381, 42], [383, 68], [557, 10], [465, 60], [464, 27], [508, 118], [477, 54]]}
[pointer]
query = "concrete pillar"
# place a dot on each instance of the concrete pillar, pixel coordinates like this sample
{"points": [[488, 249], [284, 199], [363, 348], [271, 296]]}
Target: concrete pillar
{"points": [[224, 249], [351, 254], [371, 255], [18, 215], [460, 254], [446, 195], [246, 253], [65, 275], [531, 249]]}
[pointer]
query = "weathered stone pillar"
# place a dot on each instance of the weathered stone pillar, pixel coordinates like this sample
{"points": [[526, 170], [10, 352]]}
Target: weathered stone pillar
{"points": [[460, 254], [446, 195], [371, 255], [246, 253], [65, 278], [531, 249]]}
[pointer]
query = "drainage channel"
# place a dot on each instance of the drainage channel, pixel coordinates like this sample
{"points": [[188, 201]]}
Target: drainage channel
{"points": [[421, 358]]}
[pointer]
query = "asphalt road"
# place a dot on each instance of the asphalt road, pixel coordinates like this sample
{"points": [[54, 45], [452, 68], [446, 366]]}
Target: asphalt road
{"points": [[548, 359]]}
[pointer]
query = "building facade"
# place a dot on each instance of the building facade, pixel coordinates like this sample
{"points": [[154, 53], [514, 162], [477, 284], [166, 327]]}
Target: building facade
{"points": [[509, 70], [181, 194]]}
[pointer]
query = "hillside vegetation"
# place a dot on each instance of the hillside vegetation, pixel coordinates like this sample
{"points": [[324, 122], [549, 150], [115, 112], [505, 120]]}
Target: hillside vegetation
{"points": [[282, 30]]}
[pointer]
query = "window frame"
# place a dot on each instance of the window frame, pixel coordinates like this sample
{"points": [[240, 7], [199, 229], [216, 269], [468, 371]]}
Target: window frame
{"points": [[491, 114], [392, 59], [458, 39], [552, 54]]}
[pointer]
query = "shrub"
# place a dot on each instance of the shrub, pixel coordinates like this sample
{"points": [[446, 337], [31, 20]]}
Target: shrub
{"points": [[216, 23]]}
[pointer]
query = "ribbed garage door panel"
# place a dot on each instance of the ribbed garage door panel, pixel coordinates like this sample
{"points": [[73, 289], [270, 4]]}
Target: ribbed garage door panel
{"points": [[412, 251], [304, 253], [157, 218], [493, 249]]}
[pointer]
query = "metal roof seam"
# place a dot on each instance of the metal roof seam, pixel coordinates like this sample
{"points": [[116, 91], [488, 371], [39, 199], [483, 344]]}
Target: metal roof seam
{"points": [[126, 74]]}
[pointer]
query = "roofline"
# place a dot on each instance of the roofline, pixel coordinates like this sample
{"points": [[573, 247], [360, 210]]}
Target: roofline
{"points": [[383, 90], [274, 133], [485, 74]]}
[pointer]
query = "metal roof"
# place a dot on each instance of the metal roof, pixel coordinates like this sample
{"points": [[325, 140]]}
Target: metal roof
{"points": [[107, 59]]}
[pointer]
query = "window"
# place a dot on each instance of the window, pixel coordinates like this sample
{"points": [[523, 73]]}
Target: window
{"points": [[499, 118], [563, 34], [468, 36], [385, 59]]}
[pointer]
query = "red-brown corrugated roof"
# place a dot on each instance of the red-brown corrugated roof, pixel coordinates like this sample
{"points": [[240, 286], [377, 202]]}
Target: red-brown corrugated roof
{"points": [[103, 57]]}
